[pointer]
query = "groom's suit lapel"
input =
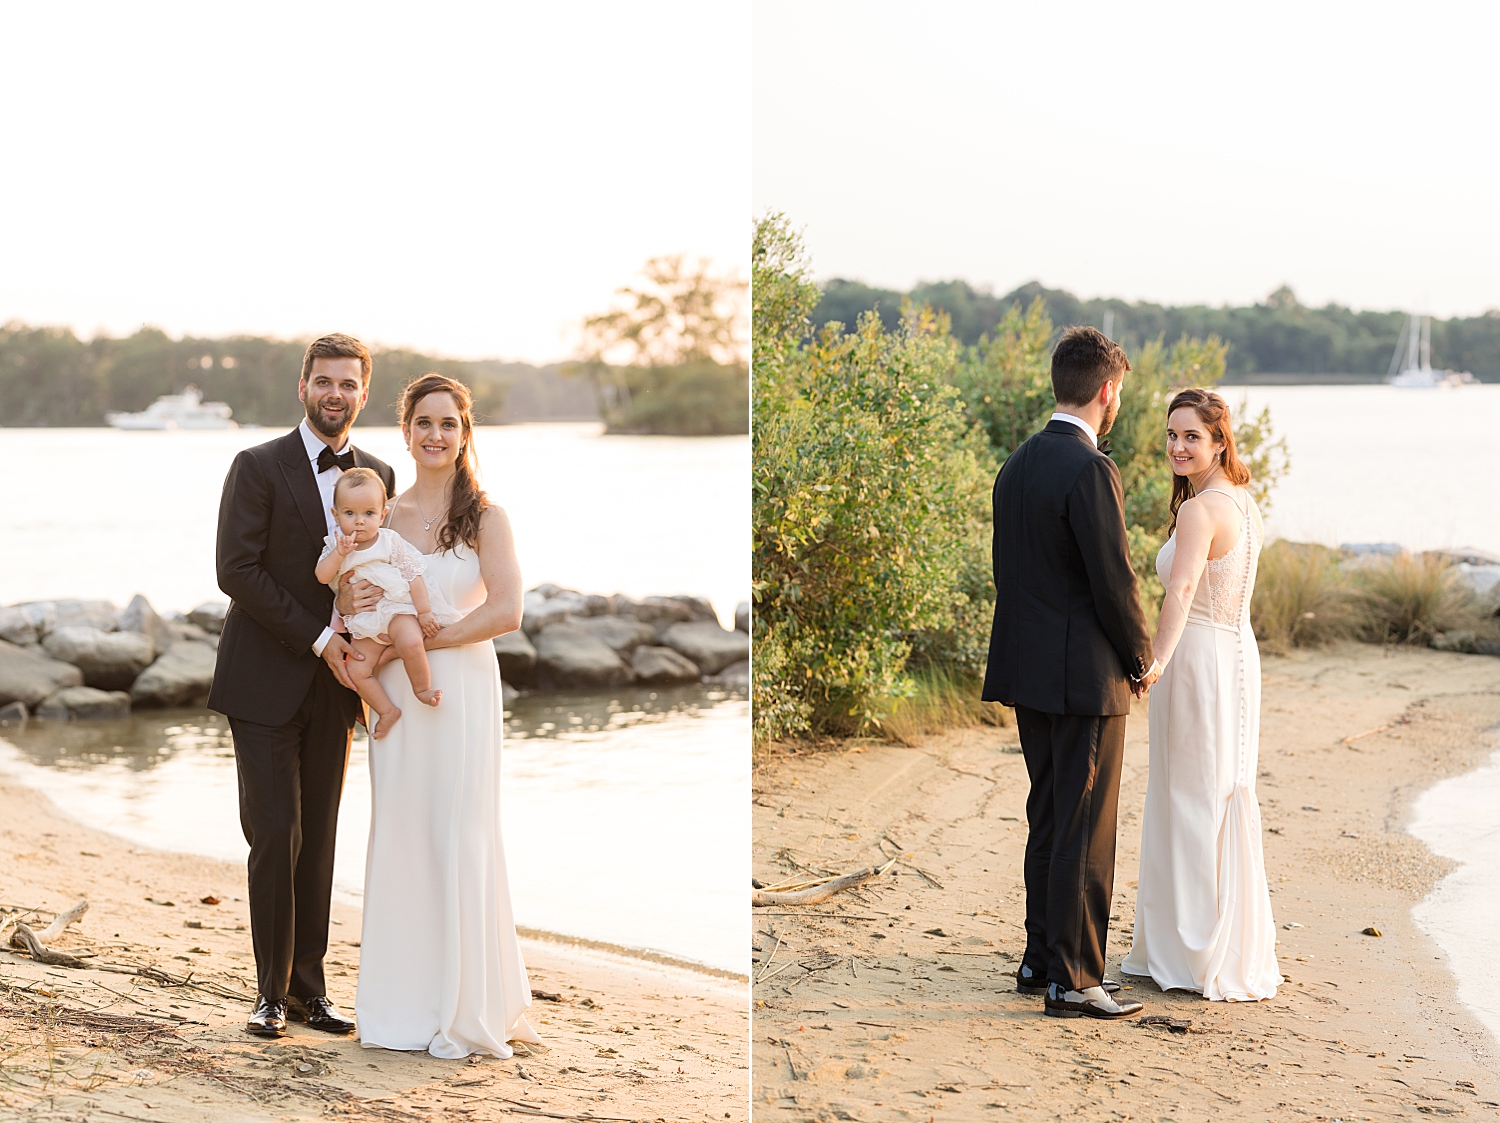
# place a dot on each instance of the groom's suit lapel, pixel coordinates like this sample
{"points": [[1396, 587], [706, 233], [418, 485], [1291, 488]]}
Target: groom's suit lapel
{"points": [[297, 469]]}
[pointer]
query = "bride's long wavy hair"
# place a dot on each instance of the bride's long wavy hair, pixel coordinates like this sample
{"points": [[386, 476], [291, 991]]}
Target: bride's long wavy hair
{"points": [[466, 503], [1213, 411]]}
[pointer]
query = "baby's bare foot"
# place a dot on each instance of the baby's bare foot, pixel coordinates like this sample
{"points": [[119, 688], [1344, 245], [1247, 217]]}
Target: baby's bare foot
{"points": [[429, 697], [383, 726]]}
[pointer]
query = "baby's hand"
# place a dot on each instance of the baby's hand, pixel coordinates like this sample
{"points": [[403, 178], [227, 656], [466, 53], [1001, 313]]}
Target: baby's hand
{"points": [[345, 545], [430, 625]]}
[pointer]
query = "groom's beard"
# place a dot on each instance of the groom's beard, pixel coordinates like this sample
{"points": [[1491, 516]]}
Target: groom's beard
{"points": [[1109, 417], [329, 425]]}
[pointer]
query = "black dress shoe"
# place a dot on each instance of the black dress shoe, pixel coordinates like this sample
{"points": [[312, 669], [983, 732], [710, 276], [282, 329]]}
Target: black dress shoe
{"points": [[318, 1013], [268, 1019], [1058, 1005], [1032, 983]]}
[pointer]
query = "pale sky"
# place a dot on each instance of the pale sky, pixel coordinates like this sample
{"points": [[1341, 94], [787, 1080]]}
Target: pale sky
{"points": [[1180, 153], [466, 178]]}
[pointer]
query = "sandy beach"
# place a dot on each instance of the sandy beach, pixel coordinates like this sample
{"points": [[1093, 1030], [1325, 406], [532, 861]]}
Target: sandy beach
{"points": [[153, 1029], [898, 1001]]}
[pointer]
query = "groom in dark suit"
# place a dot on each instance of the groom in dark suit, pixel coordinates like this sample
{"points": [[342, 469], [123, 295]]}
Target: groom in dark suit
{"points": [[280, 679], [1068, 650]]}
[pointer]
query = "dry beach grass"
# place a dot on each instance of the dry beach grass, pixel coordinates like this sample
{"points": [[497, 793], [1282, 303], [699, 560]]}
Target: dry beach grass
{"points": [[624, 1038], [897, 1000]]}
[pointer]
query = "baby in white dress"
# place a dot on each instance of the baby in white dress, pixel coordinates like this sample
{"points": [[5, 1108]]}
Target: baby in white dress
{"points": [[405, 615]]}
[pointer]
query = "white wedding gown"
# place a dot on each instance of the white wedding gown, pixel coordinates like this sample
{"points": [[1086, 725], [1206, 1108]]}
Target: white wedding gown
{"points": [[440, 966], [1203, 911]]}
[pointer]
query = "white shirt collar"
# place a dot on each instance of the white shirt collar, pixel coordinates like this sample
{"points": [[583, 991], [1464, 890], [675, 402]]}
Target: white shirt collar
{"points": [[1072, 420], [315, 444]]}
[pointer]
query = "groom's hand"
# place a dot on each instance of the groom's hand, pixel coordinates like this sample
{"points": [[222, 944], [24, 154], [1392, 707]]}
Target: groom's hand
{"points": [[334, 654], [356, 595]]}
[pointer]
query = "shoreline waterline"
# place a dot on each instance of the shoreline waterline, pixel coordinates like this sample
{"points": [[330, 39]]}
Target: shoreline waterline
{"points": [[582, 776], [1459, 819]]}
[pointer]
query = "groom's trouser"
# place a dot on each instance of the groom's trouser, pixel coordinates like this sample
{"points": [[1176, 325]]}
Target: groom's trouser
{"points": [[291, 777], [1074, 765]]}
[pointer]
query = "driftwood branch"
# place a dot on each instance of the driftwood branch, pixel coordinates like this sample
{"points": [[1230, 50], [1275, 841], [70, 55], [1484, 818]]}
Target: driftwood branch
{"points": [[24, 937], [61, 921], [815, 894]]}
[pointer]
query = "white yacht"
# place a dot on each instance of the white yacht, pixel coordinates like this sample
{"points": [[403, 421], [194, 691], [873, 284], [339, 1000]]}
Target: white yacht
{"points": [[186, 410], [1416, 341]]}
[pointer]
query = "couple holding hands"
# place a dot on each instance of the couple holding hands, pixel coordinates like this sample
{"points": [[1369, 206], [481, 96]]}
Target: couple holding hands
{"points": [[341, 594], [1070, 649]]}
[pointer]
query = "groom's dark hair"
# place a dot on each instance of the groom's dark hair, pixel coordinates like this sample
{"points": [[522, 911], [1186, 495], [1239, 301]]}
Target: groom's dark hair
{"points": [[337, 346], [1082, 362]]}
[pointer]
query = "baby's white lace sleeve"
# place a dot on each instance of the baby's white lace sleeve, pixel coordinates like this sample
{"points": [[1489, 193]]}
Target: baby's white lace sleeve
{"points": [[408, 561], [329, 544]]}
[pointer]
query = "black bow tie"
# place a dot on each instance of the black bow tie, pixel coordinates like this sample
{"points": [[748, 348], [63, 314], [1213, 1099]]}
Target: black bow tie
{"points": [[1104, 447], [329, 459]]}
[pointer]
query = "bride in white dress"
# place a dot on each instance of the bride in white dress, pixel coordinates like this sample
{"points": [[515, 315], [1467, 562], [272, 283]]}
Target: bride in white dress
{"points": [[440, 965], [1203, 910]]}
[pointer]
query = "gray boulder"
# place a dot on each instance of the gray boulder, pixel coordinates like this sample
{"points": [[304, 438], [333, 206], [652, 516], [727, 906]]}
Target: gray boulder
{"points": [[45, 615], [662, 612], [713, 648], [28, 676], [620, 634], [182, 630], [18, 628], [742, 617], [140, 617], [12, 714], [661, 666], [100, 614], [210, 615], [736, 676], [108, 660], [567, 656], [84, 703], [700, 607], [517, 657], [180, 677], [40, 614], [553, 611], [547, 590], [621, 605]]}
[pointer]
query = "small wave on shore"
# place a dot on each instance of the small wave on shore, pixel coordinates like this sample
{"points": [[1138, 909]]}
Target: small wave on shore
{"points": [[1459, 818]]}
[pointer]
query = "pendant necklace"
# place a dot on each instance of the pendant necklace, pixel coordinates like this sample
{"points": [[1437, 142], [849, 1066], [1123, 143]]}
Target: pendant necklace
{"points": [[426, 522]]}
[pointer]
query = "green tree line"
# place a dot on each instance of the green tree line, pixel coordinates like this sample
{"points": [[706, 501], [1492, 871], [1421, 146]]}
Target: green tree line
{"points": [[875, 447], [1278, 335], [50, 377]]}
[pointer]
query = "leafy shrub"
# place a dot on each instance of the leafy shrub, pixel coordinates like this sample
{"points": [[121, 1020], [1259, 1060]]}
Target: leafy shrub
{"points": [[694, 399], [869, 496]]}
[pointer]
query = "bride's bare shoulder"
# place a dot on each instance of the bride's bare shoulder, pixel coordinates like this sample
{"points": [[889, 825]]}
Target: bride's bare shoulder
{"points": [[493, 522]]}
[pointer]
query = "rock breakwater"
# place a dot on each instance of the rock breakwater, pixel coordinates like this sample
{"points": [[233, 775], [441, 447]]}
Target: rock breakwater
{"points": [[88, 659]]}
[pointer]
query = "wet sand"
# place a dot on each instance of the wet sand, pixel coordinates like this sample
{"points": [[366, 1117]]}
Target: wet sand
{"points": [[899, 1002], [623, 1037]]}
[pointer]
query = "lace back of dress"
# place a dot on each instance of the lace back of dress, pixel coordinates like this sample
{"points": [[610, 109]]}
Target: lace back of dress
{"points": [[1232, 577]]}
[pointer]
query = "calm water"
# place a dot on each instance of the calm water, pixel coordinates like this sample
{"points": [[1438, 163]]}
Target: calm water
{"points": [[625, 816], [108, 513], [1458, 819], [1377, 464]]}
